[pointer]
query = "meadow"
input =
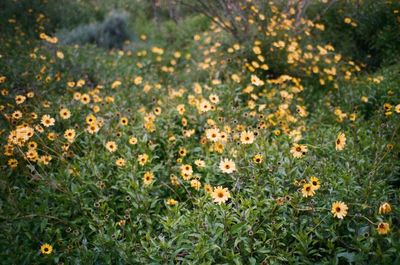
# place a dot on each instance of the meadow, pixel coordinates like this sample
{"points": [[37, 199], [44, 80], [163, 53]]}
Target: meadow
{"points": [[199, 132]]}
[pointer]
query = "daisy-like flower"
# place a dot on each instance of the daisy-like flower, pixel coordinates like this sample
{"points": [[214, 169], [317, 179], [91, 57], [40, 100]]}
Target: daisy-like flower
{"points": [[340, 142], [123, 121], [142, 159], [220, 195], [120, 162], [208, 189], [65, 114], [195, 183], [46, 249], [186, 171], [298, 150], [20, 99], [12, 163], [91, 119], [45, 159], [247, 137], [339, 209], [111, 146], [93, 128], [174, 180], [148, 178], [171, 202], [204, 106], [181, 109], [213, 134], [383, 228], [308, 190], [314, 181], [200, 163], [214, 98], [133, 140], [227, 166], [385, 208], [47, 121], [258, 158], [70, 135], [256, 81], [85, 98], [182, 152], [301, 110], [16, 115], [397, 108]]}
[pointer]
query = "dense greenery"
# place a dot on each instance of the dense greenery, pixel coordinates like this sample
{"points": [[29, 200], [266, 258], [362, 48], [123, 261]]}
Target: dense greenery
{"points": [[173, 141]]}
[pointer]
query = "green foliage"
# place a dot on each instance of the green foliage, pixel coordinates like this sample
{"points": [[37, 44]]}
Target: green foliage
{"points": [[373, 39], [111, 33]]}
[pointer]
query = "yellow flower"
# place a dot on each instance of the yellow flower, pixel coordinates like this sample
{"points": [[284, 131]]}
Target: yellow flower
{"points": [[339, 209], [116, 84], [383, 228], [247, 137], [47, 121], [123, 121], [204, 106], [385, 208], [180, 108], [174, 180], [258, 158], [214, 98], [213, 134], [138, 80], [186, 171], [301, 111], [299, 150], [45, 159], [12, 163], [133, 140], [227, 166], [308, 190], [142, 159], [397, 108], [314, 181], [200, 163], [340, 142], [120, 162], [92, 128], [85, 98], [60, 55], [256, 81], [220, 195], [157, 111], [91, 119], [17, 115], [46, 249], [208, 189], [20, 99], [364, 99], [70, 135], [111, 146], [65, 114], [196, 184], [171, 202], [148, 178]]}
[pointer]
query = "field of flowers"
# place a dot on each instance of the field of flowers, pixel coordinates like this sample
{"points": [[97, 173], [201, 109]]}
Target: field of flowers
{"points": [[198, 145]]}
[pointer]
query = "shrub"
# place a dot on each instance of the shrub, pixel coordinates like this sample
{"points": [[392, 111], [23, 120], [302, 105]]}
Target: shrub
{"points": [[111, 33]]}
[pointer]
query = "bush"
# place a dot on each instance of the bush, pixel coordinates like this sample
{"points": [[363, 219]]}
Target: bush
{"points": [[112, 33], [368, 32]]}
